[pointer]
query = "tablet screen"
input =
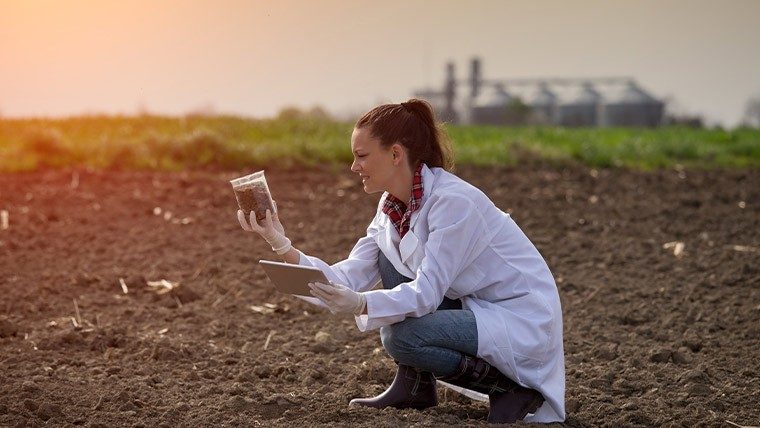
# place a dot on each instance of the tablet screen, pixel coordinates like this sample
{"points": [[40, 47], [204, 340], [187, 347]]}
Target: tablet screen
{"points": [[292, 279]]}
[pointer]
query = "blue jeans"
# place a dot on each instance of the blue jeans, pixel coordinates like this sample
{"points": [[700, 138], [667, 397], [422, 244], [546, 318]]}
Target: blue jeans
{"points": [[433, 342]]}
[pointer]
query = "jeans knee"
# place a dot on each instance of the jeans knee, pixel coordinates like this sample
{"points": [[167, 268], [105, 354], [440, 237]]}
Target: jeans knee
{"points": [[399, 341]]}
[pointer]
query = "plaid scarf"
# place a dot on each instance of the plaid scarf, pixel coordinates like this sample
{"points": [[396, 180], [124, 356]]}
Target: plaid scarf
{"points": [[397, 211]]}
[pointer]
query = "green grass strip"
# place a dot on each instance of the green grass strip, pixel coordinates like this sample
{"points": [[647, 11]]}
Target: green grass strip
{"points": [[171, 143]]}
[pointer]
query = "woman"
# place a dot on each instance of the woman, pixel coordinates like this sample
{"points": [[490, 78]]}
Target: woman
{"points": [[467, 298]]}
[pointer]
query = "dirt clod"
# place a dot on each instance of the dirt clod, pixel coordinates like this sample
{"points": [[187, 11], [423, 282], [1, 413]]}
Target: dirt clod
{"points": [[8, 328], [323, 342], [31, 405], [48, 410], [682, 357], [661, 356]]}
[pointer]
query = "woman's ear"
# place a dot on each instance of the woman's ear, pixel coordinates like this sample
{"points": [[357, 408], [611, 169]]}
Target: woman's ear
{"points": [[398, 153]]}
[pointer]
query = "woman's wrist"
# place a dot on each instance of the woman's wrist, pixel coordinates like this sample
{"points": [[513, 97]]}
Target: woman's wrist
{"points": [[293, 256], [361, 305], [282, 246], [279, 242]]}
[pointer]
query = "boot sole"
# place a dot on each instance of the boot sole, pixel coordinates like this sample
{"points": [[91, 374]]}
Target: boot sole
{"points": [[400, 407]]}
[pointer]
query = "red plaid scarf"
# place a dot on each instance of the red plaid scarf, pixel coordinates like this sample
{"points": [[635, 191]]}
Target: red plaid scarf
{"points": [[398, 212]]}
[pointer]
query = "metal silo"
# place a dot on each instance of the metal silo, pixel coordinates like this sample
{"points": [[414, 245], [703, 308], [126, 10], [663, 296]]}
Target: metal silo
{"points": [[581, 110], [633, 107], [490, 107], [544, 105]]}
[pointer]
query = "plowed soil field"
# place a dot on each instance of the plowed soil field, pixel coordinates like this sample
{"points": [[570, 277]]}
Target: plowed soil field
{"points": [[659, 275]]}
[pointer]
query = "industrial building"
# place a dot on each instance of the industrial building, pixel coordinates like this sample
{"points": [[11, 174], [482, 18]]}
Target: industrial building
{"points": [[590, 102]]}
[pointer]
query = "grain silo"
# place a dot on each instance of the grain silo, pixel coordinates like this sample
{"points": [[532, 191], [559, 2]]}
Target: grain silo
{"points": [[491, 107], [600, 101], [581, 110], [544, 105], [633, 107]]}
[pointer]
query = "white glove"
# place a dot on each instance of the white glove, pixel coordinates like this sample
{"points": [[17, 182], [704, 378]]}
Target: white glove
{"points": [[339, 298], [271, 230]]}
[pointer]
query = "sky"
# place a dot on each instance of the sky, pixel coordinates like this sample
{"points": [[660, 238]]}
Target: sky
{"points": [[252, 58]]}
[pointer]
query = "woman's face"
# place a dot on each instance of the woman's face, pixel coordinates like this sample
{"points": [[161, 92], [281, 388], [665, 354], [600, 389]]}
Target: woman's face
{"points": [[374, 163]]}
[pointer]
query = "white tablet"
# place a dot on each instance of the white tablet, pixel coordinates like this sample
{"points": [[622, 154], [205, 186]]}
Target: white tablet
{"points": [[292, 279]]}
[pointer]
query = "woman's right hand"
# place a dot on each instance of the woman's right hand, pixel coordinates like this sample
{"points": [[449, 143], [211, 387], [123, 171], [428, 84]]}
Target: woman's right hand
{"points": [[271, 230]]}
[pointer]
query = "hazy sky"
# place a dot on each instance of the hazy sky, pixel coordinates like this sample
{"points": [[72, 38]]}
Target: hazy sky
{"points": [[65, 57]]}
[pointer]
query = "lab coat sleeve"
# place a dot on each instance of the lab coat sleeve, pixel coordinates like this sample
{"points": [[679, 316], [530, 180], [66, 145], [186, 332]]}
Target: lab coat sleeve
{"points": [[457, 236], [360, 270]]}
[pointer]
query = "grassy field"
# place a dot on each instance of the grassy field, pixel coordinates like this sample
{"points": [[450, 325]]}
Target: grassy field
{"points": [[174, 143]]}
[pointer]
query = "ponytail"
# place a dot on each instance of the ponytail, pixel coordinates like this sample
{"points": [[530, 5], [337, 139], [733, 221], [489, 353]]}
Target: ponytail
{"points": [[411, 124]]}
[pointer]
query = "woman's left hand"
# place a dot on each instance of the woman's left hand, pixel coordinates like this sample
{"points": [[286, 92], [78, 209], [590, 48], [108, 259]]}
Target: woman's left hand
{"points": [[339, 298]]}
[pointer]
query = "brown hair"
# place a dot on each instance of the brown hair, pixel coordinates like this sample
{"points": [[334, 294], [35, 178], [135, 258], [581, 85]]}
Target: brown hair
{"points": [[411, 124]]}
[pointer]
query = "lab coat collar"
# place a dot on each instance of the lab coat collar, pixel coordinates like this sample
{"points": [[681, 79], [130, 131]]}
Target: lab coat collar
{"points": [[410, 242], [428, 179], [399, 250]]}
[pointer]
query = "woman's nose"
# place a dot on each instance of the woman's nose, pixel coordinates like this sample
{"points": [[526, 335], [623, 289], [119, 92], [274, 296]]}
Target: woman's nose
{"points": [[354, 166]]}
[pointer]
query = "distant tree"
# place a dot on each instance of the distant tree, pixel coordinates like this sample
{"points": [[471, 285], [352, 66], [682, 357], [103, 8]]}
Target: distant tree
{"points": [[290, 113], [317, 113], [752, 112], [517, 113], [677, 114], [204, 110], [693, 121]]}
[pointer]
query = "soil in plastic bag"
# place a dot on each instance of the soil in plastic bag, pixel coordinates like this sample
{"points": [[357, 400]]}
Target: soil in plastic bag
{"points": [[256, 199]]}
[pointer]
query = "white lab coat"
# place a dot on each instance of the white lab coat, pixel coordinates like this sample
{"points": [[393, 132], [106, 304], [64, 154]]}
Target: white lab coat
{"points": [[462, 246]]}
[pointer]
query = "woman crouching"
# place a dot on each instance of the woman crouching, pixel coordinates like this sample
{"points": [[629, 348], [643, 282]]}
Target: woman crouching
{"points": [[466, 297]]}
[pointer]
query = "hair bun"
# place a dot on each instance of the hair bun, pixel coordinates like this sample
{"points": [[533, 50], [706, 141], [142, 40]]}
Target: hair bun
{"points": [[411, 102], [415, 105]]}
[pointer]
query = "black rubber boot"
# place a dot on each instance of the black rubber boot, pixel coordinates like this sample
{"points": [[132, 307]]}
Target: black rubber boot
{"points": [[410, 389], [510, 407], [508, 401]]}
